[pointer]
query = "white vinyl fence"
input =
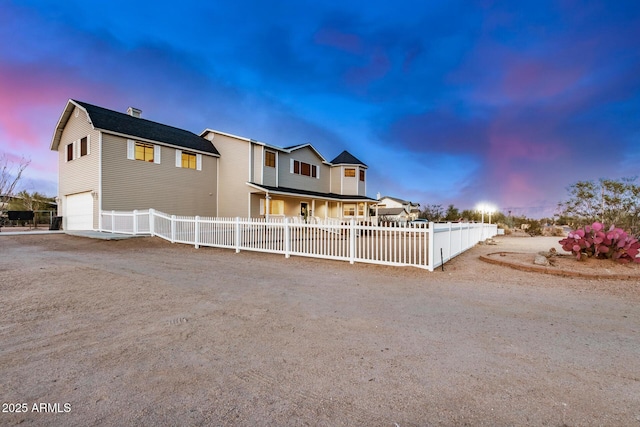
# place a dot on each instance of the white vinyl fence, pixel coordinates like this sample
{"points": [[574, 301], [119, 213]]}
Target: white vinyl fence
{"points": [[406, 245]]}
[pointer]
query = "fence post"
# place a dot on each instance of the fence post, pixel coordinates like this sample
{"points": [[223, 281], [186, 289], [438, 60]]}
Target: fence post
{"points": [[173, 228], [352, 242], [196, 237], [152, 222], [432, 246], [135, 222], [287, 238], [237, 234], [113, 221], [450, 242]]}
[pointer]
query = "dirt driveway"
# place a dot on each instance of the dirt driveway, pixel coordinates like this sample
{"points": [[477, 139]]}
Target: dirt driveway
{"points": [[142, 332]]}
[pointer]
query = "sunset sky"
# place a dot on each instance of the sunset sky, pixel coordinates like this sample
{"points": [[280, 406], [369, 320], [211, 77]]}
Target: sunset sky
{"points": [[462, 102]]}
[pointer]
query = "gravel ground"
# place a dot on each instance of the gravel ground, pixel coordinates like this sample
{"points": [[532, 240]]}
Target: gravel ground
{"points": [[142, 332]]}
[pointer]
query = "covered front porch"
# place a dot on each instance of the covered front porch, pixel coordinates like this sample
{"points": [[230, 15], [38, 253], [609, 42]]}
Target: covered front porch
{"points": [[279, 202]]}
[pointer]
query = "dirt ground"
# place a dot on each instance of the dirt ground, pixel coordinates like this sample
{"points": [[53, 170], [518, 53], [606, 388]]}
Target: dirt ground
{"points": [[143, 332]]}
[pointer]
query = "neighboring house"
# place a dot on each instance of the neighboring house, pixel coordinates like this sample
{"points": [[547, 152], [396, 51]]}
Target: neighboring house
{"points": [[394, 209], [262, 180], [115, 161]]}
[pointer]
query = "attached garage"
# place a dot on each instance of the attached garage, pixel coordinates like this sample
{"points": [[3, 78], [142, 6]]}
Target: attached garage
{"points": [[79, 211]]}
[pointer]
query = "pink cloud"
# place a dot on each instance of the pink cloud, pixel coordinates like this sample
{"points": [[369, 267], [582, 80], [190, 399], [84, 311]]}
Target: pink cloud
{"points": [[530, 80]]}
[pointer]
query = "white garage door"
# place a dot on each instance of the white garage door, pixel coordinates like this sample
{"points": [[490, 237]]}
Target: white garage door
{"points": [[80, 211]]}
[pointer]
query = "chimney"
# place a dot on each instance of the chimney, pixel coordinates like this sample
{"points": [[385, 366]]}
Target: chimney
{"points": [[134, 112]]}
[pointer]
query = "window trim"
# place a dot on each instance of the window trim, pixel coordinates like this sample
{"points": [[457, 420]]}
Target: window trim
{"points": [[269, 158], [198, 159], [84, 143], [298, 166]]}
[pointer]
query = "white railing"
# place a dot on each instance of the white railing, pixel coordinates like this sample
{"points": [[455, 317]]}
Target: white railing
{"points": [[394, 244]]}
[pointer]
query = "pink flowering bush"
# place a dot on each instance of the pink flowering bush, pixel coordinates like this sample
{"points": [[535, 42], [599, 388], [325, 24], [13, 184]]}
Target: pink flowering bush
{"points": [[594, 241]]}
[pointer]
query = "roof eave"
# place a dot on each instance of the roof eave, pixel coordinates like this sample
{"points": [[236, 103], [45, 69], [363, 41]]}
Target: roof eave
{"points": [[153, 141]]}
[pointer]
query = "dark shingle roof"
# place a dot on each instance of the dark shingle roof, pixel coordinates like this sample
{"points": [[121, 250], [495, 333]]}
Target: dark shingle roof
{"points": [[346, 158], [311, 193], [125, 124]]}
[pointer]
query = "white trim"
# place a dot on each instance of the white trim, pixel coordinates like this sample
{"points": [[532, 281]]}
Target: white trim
{"points": [[199, 162], [88, 145], [291, 166], [99, 181], [131, 149], [277, 167], [217, 186], [178, 158], [156, 154]]}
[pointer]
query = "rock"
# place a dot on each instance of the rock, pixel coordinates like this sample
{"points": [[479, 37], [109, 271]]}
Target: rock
{"points": [[541, 260]]}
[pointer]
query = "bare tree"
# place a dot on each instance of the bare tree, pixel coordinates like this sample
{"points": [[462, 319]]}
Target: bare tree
{"points": [[10, 174]]}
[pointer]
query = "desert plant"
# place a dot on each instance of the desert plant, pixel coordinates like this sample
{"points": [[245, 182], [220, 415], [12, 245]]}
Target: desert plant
{"points": [[594, 241]]}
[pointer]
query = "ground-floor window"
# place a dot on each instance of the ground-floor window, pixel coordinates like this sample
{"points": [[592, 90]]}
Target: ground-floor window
{"points": [[348, 209], [276, 207]]}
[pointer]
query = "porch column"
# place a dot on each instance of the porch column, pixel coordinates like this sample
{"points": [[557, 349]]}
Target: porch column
{"points": [[267, 199], [326, 209], [313, 206]]}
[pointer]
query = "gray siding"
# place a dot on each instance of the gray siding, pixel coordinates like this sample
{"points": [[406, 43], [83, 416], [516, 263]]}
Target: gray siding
{"points": [[269, 174], [134, 184], [81, 174], [258, 161], [290, 180], [336, 179], [362, 185]]}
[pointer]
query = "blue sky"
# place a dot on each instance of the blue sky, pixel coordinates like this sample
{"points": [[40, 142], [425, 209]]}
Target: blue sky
{"points": [[447, 102]]}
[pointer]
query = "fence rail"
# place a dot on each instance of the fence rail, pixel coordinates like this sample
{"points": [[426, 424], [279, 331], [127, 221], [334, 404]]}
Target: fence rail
{"points": [[423, 246]]}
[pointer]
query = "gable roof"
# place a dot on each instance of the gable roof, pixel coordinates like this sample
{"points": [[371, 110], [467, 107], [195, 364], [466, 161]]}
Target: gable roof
{"points": [[346, 158], [402, 202], [391, 211], [136, 127]]}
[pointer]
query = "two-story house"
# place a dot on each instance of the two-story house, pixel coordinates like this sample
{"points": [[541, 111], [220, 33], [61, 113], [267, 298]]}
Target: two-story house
{"points": [[114, 161], [262, 180]]}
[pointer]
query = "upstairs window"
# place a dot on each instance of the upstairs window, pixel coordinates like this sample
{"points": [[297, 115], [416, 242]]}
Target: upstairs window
{"points": [[350, 173], [302, 168], [270, 159], [361, 175], [144, 152], [84, 146], [188, 160], [77, 149]]}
